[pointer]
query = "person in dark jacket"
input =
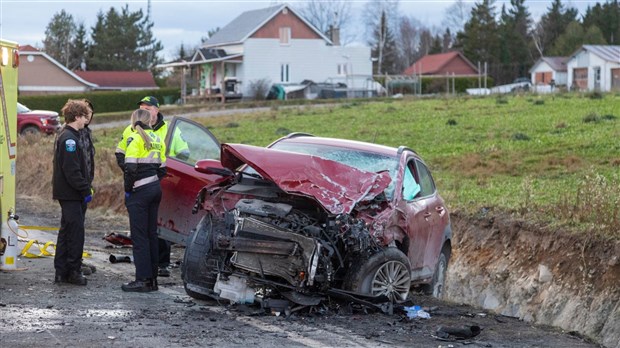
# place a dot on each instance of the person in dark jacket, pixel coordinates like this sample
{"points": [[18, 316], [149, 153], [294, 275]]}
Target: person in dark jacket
{"points": [[144, 166], [72, 188]]}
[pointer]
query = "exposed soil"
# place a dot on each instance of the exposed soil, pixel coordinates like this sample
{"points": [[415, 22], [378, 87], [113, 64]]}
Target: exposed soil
{"points": [[496, 265]]}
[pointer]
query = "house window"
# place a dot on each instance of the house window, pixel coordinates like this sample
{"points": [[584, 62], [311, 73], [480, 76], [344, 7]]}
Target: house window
{"points": [[285, 36], [342, 69], [284, 73]]}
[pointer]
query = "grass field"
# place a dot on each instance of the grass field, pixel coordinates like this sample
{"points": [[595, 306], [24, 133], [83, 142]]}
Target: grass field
{"points": [[553, 159]]}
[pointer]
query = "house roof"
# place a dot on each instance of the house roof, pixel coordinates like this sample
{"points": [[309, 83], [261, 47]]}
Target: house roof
{"points": [[119, 79], [248, 23], [556, 63], [434, 63], [29, 50], [609, 53]]}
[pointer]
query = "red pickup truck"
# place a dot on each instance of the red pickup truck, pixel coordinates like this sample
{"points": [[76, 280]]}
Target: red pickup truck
{"points": [[36, 121]]}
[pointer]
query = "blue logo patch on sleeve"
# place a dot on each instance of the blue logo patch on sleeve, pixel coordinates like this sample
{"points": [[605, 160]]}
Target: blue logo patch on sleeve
{"points": [[70, 145]]}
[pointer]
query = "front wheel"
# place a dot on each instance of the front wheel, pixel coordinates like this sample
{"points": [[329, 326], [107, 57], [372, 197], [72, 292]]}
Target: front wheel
{"points": [[200, 263], [387, 272]]}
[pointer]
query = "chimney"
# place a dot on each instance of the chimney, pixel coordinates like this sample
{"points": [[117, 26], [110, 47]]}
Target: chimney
{"points": [[334, 35]]}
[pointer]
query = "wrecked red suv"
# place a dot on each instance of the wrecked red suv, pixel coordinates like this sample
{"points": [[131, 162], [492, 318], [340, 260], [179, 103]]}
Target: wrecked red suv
{"points": [[309, 216]]}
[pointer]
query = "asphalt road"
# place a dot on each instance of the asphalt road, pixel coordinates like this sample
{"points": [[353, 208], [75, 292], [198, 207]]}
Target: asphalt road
{"points": [[36, 312]]}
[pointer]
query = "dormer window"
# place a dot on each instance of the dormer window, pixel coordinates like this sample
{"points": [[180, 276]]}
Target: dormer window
{"points": [[285, 36]]}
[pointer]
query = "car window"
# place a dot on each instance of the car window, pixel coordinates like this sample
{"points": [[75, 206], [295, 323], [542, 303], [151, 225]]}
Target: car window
{"points": [[189, 143], [427, 186], [410, 187], [21, 108]]}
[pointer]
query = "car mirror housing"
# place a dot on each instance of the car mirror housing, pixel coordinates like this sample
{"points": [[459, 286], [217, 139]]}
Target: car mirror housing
{"points": [[210, 166]]}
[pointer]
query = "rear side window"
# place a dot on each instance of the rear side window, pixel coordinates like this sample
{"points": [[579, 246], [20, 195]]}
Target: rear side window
{"points": [[427, 185]]}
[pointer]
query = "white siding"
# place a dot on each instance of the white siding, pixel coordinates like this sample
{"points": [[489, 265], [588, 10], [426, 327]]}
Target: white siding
{"points": [[542, 66], [585, 59], [307, 60]]}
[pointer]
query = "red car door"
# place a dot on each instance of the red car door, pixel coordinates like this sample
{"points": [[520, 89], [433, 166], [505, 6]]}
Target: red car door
{"points": [[186, 143]]}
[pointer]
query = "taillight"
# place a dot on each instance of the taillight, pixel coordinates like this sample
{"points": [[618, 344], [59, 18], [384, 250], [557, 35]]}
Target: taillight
{"points": [[15, 58]]}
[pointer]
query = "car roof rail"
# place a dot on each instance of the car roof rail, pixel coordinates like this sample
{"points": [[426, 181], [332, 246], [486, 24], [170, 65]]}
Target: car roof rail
{"points": [[299, 134], [403, 148]]}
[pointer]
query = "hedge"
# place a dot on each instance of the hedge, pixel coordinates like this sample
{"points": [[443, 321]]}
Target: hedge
{"points": [[102, 101]]}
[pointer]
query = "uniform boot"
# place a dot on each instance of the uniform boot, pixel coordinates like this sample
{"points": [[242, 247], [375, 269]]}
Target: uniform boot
{"points": [[154, 285], [76, 278], [138, 285]]}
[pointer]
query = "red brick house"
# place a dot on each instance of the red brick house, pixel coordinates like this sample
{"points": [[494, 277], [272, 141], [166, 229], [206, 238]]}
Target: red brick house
{"points": [[442, 64]]}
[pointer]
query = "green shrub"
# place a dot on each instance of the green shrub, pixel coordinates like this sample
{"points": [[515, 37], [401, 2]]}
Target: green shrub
{"points": [[592, 117], [103, 101]]}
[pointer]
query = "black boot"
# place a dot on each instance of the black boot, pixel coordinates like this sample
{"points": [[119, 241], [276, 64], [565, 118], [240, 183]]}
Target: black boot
{"points": [[76, 278], [138, 285], [59, 278], [154, 284]]}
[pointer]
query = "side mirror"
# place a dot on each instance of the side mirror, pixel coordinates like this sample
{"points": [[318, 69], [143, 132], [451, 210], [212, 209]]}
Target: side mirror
{"points": [[210, 166]]}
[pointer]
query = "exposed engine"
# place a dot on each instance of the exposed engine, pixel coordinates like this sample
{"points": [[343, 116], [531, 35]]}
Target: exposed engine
{"points": [[307, 248]]}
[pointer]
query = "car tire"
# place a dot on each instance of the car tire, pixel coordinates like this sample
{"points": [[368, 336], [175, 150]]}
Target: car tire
{"points": [[200, 264], [387, 272], [30, 130], [436, 287]]}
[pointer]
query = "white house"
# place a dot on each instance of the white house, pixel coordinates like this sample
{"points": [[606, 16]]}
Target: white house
{"points": [[548, 69], [594, 67], [274, 45]]}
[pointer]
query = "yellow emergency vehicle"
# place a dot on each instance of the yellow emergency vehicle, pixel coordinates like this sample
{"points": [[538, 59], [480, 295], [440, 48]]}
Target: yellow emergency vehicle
{"points": [[9, 61]]}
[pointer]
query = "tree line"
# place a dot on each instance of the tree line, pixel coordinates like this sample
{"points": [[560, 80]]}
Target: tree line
{"points": [[507, 39]]}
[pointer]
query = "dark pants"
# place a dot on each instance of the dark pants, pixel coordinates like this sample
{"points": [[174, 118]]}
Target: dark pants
{"points": [[70, 242], [164, 253], [142, 206]]}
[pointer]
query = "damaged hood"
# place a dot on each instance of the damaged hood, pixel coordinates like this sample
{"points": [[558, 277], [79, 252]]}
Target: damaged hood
{"points": [[337, 187]]}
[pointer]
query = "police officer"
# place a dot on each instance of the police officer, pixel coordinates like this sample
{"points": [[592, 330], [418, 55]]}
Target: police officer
{"points": [[144, 165], [72, 188], [178, 149]]}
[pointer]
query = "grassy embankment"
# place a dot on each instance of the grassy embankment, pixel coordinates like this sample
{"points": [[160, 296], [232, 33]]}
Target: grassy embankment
{"points": [[550, 159]]}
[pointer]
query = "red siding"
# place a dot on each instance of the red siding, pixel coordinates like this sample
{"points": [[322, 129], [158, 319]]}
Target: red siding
{"points": [[299, 29]]}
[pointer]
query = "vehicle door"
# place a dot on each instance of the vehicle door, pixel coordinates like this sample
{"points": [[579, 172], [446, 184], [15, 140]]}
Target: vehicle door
{"points": [[418, 215], [435, 215], [186, 143]]}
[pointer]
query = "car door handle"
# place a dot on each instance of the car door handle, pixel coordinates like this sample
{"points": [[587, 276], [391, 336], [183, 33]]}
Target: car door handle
{"points": [[440, 210]]}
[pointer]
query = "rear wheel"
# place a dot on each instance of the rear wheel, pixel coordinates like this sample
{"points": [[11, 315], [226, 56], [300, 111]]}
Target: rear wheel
{"points": [[385, 273], [436, 288], [200, 264]]}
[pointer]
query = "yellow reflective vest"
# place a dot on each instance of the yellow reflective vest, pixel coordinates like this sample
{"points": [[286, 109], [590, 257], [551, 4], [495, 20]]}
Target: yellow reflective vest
{"points": [[142, 165]]}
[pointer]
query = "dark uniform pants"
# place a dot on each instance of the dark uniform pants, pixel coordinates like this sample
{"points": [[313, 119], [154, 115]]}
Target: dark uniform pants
{"points": [[70, 242], [142, 206]]}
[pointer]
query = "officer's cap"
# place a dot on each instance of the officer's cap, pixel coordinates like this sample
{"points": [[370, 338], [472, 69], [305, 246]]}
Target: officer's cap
{"points": [[149, 100]]}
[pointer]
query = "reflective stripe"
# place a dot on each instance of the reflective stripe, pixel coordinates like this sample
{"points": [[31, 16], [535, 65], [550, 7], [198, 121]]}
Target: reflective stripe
{"points": [[145, 181], [119, 150], [143, 160]]}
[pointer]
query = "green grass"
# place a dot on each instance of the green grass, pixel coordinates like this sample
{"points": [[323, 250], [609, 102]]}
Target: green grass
{"points": [[531, 155]]}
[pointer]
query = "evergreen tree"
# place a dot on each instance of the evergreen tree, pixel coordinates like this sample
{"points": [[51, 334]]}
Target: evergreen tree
{"points": [[514, 55], [437, 45], [607, 18], [575, 36], [123, 41], [80, 48], [479, 39], [59, 36]]}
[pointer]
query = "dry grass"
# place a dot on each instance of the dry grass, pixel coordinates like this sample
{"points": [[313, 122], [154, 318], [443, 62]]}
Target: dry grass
{"points": [[34, 174]]}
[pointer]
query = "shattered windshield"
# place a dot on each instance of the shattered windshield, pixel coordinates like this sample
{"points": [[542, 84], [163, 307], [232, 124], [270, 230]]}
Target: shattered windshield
{"points": [[366, 161]]}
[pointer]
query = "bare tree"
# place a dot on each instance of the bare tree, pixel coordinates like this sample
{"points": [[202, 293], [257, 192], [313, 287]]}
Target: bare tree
{"points": [[325, 14], [381, 19], [457, 15], [409, 40]]}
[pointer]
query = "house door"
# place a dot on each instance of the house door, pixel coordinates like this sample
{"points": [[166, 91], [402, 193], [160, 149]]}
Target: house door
{"points": [[580, 78], [615, 79], [543, 78], [597, 78]]}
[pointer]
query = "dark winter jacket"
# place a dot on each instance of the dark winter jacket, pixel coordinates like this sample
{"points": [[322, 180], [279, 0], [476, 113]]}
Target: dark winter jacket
{"points": [[70, 179]]}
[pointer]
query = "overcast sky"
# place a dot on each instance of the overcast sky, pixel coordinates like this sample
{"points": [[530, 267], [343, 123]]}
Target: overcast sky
{"points": [[186, 21]]}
